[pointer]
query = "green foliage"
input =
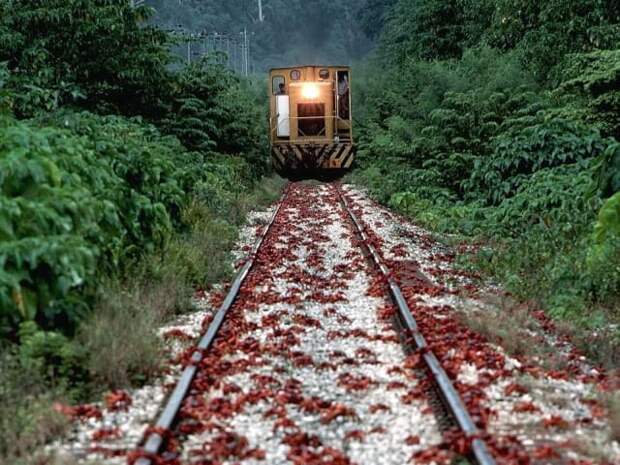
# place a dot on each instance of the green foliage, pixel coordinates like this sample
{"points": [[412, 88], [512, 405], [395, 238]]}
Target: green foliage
{"points": [[5, 96], [89, 199], [51, 223], [117, 64], [518, 153], [420, 206], [445, 116], [607, 227], [120, 338], [424, 29], [608, 170], [27, 419], [372, 16], [214, 112], [103, 57], [51, 353], [553, 198], [595, 79], [545, 32], [603, 259], [501, 131], [102, 217], [431, 29]]}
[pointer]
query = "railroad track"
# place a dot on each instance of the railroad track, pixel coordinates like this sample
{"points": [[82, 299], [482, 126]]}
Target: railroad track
{"points": [[310, 262]]}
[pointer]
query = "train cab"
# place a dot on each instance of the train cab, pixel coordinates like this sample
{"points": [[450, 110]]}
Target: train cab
{"points": [[311, 123]]}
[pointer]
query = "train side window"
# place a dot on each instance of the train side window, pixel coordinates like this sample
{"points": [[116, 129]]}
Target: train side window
{"points": [[278, 84]]}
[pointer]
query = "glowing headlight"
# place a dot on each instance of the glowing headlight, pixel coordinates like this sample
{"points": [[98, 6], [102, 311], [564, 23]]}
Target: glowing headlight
{"points": [[310, 91]]}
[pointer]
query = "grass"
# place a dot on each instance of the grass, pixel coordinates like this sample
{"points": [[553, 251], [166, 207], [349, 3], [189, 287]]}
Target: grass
{"points": [[27, 419], [552, 274], [511, 325], [119, 338], [613, 407]]}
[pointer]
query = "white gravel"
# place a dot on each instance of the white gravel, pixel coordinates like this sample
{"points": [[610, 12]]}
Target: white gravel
{"points": [[384, 431]]}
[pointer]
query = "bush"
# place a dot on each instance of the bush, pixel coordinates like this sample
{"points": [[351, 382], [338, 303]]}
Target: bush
{"points": [[109, 223], [27, 419], [604, 253], [607, 171], [595, 79], [52, 224], [211, 112], [73, 207], [518, 153], [545, 32], [501, 133], [120, 336], [104, 58], [551, 197], [444, 116]]}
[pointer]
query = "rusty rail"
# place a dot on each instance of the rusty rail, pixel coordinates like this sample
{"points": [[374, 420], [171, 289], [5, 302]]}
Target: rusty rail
{"points": [[449, 394], [154, 440]]}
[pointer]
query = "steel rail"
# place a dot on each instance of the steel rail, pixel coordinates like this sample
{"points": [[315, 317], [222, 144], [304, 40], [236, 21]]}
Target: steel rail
{"points": [[155, 439], [449, 394]]}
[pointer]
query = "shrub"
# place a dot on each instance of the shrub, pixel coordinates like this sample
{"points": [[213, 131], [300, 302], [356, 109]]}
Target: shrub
{"points": [[551, 197], [607, 171], [595, 79], [520, 152], [502, 131], [120, 336], [77, 205], [104, 57], [27, 419], [52, 226], [604, 252]]}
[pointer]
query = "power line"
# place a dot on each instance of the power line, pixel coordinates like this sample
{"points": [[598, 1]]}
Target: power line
{"points": [[230, 50]]}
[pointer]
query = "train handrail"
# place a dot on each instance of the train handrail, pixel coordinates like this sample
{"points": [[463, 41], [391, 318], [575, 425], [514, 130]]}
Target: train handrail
{"points": [[274, 124]]}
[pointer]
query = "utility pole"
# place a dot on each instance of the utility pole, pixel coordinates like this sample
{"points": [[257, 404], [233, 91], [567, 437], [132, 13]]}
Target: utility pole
{"points": [[261, 18], [246, 54], [228, 60]]}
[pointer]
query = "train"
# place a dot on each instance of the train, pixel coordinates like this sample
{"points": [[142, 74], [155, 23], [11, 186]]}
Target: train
{"points": [[311, 119]]}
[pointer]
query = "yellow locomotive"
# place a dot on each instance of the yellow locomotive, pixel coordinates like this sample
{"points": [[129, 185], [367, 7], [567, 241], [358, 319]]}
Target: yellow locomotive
{"points": [[311, 125]]}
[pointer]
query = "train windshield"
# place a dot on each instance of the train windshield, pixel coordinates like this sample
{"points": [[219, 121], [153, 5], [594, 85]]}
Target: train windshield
{"points": [[311, 119]]}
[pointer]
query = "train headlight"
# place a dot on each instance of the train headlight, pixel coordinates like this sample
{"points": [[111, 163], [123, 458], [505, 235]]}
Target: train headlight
{"points": [[310, 91]]}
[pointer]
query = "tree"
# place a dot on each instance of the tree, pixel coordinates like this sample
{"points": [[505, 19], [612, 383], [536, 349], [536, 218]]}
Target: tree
{"points": [[433, 29], [372, 15], [546, 31], [102, 56]]}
